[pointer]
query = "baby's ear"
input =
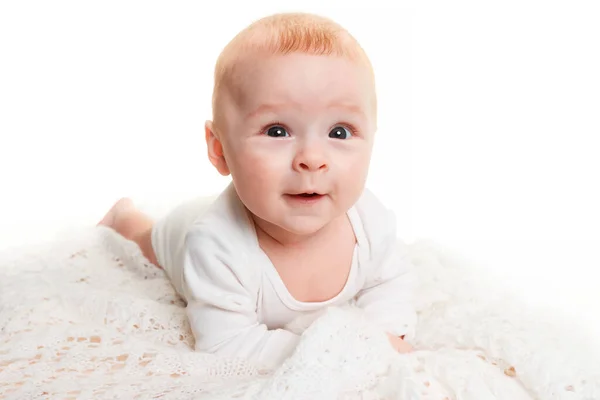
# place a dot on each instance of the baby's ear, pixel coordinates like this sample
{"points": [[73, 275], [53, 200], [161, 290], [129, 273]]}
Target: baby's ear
{"points": [[215, 149]]}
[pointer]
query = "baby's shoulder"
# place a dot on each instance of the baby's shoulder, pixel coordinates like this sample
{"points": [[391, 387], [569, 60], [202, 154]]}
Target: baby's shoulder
{"points": [[380, 230], [225, 221], [377, 220], [222, 235]]}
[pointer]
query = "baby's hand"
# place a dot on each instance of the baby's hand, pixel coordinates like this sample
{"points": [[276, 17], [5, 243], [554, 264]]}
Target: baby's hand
{"points": [[399, 344]]}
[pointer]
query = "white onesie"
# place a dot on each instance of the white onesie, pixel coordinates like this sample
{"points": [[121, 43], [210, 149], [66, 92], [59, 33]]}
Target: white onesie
{"points": [[236, 302]]}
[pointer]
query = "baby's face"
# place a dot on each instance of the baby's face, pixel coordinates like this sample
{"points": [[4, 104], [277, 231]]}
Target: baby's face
{"points": [[297, 138]]}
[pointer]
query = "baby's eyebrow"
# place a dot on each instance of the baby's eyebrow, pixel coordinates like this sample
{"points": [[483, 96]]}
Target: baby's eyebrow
{"points": [[274, 107], [264, 108], [351, 107]]}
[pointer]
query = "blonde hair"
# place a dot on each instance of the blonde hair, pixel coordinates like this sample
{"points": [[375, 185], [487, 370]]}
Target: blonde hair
{"points": [[281, 34]]}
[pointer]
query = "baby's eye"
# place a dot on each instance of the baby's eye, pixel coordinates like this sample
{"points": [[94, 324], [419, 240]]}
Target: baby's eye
{"points": [[277, 131], [339, 132]]}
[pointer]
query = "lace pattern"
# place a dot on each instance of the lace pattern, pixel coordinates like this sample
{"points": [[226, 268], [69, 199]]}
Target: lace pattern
{"points": [[89, 317]]}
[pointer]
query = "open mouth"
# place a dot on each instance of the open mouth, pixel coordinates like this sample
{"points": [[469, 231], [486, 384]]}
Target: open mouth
{"points": [[308, 195]]}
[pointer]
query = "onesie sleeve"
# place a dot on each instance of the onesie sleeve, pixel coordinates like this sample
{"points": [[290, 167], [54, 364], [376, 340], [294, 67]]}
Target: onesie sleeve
{"points": [[221, 289], [387, 295]]}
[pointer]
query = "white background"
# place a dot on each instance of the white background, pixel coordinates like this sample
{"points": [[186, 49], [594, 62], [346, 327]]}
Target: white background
{"points": [[488, 140]]}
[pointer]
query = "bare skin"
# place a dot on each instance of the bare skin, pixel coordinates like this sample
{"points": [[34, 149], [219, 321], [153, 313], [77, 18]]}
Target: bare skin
{"points": [[133, 225]]}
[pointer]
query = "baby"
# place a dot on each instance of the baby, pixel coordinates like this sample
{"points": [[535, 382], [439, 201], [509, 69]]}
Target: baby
{"points": [[294, 119]]}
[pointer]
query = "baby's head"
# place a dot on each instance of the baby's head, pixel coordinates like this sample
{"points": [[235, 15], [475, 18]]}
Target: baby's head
{"points": [[294, 115]]}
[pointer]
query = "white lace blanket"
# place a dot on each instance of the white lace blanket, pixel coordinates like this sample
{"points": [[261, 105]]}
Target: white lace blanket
{"points": [[89, 318]]}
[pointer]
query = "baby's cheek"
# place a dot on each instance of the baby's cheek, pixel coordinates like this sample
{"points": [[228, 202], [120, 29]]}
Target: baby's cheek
{"points": [[256, 179], [250, 165], [354, 177], [263, 174]]}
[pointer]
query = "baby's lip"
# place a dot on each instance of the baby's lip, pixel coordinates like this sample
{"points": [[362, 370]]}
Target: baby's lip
{"points": [[306, 193]]}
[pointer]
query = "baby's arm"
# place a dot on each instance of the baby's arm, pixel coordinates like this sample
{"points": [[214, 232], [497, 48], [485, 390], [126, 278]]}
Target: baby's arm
{"points": [[222, 299], [387, 296]]}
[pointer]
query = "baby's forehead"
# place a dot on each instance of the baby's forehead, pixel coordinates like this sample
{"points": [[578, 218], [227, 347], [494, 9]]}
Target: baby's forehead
{"points": [[300, 78], [282, 35]]}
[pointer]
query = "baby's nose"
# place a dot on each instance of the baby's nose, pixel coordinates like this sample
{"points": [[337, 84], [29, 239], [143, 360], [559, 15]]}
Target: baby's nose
{"points": [[310, 161]]}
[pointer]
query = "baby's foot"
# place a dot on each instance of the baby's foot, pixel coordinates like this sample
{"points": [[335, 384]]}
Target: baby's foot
{"points": [[124, 204]]}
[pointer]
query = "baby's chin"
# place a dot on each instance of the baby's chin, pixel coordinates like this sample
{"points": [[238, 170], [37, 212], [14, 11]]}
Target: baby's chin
{"points": [[303, 225]]}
